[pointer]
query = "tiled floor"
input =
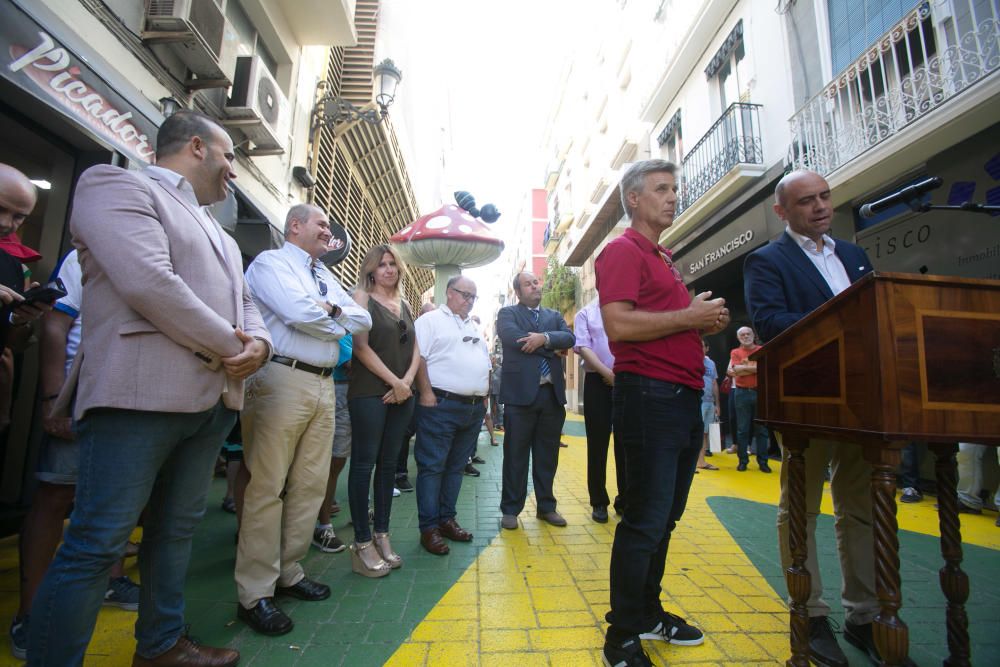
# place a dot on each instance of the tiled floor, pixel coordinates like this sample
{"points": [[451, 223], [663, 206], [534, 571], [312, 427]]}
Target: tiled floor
{"points": [[538, 595]]}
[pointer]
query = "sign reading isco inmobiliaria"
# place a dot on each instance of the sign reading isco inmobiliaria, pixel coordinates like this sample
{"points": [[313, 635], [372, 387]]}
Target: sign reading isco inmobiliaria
{"points": [[33, 60]]}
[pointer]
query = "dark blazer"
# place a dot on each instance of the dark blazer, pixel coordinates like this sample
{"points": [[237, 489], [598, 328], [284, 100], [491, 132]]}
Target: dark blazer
{"points": [[782, 285], [520, 375]]}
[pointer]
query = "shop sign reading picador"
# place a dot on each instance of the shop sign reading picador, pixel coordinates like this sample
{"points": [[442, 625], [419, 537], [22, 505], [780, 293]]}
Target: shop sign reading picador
{"points": [[32, 59]]}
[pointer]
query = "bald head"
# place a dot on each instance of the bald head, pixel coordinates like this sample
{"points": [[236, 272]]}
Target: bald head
{"points": [[17, 198], [802, 199]]}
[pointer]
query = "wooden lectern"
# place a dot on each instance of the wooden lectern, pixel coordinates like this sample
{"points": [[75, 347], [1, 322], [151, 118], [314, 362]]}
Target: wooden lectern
{"points": [[894, 358]]}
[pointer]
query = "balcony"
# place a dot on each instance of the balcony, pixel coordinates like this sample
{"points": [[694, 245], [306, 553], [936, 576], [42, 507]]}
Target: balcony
{"points": [[732, 141], [925, 60], [551, 236], [725, 159]]}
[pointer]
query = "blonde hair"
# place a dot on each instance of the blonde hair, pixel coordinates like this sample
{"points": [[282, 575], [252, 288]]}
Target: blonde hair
{"points": [[366, 277]]}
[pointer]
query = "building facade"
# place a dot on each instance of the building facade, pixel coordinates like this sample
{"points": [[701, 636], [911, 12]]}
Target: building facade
{"points": [[873, 94], [361, 176], [86, 82]]}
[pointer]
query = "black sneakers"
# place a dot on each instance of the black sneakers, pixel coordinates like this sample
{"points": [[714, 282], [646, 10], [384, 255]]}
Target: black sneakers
{"points": [[675, 630], [628, 654]]}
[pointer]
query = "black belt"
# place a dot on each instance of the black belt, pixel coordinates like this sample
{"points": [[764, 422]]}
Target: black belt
{"points": [[458, 398], [302, 366]]}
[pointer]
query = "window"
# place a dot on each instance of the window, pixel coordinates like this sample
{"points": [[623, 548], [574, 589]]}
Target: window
{"points": [[671, 140], [250, 42], [857, 24]]}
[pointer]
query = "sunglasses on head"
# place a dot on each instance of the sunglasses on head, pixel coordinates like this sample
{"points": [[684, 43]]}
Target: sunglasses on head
{"points": [[470, 339]]}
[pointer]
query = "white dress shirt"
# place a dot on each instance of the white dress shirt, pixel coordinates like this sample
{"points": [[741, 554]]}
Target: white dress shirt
{"points": [[825, 261], [285, 291], [453, 364]]}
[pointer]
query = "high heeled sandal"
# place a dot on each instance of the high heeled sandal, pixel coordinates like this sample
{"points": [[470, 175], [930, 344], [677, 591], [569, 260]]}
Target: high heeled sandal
{"points": [[359, 552], [385, 550]]}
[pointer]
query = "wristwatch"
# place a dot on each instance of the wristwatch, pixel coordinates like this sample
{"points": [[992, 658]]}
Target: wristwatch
{"points": [[335, 311]]}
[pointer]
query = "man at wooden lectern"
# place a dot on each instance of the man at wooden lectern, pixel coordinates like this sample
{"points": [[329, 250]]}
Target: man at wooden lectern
{"points": [[785, 281]]}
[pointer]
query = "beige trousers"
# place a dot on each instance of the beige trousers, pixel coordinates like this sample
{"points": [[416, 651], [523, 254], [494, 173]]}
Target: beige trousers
{"points": [[850, 485], [288, 424]]}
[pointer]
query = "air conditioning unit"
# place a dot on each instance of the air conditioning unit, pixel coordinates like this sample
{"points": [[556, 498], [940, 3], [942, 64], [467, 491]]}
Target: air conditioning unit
{"points": [[257, 104], [198, 33]]}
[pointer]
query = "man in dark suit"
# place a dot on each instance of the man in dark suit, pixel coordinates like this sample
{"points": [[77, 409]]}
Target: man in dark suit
{"points": [[533, 391], [785, 281]]}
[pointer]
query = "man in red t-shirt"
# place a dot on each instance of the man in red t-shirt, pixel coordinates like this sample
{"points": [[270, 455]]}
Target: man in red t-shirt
{"points": [[653, 327], [744, 372]]}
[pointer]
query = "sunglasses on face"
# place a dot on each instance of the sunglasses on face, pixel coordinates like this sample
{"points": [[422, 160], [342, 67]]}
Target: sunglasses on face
{"points": [[468, 296]]}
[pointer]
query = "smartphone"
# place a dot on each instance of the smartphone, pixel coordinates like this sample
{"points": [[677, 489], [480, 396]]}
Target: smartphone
{"points": [[47, 294]]}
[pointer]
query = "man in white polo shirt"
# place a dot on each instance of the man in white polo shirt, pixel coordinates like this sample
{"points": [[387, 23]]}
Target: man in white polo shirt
{"points": [[453, 381]]}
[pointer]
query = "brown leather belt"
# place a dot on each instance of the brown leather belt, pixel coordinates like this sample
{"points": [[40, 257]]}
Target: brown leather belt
{"points": [[302, 366]]}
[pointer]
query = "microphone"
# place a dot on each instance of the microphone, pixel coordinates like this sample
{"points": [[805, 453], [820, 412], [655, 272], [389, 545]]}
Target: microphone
{"points": [[904, 196]]}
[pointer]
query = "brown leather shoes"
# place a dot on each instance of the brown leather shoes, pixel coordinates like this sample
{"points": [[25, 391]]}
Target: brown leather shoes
{"points": [[453, 531], [186, 653], [432, 541]]}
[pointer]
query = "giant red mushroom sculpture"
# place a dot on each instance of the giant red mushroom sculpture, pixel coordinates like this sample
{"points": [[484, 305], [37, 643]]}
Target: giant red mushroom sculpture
{"points": [[447, 240]]}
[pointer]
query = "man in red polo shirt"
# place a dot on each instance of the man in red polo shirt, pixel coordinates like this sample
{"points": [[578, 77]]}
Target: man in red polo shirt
{"points": [[654, 329], [744, 372]]}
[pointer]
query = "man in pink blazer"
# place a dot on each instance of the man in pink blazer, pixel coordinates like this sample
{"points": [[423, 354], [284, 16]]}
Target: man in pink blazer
{"points": [[170, 335]]}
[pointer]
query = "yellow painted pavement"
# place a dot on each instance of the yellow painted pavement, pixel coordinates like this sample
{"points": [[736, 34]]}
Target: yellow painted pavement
{"points": [[538, 595]]}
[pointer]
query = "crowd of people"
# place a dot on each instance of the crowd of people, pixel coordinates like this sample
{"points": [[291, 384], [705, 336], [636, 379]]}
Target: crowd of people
{"points": [[180, 342]]}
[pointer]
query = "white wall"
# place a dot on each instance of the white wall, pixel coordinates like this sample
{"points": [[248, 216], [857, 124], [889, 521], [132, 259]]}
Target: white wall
{"points": [[267, 179]]}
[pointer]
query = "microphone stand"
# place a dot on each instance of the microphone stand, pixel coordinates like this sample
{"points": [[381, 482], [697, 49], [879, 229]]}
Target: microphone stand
{"points": [[969, 207]]}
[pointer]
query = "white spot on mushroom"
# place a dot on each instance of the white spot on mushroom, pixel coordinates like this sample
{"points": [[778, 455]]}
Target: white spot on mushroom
{"points": [[466, 216], [406, 230], [438, 222], [418, 233], [444, 231], [465, 228]]}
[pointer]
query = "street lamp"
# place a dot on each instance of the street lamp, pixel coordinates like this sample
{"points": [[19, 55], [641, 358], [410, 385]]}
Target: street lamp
{"points": [[332, 110]]}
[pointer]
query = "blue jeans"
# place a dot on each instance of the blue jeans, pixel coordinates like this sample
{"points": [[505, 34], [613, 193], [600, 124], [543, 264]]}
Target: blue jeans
{"points": [[446, 438], [909, 469], [659, 426], [128, 460], [377, 430], [746, 410]]}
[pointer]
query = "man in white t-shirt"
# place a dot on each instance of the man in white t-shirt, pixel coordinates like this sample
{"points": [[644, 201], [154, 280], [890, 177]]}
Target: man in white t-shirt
{"points": [[453, 381], [58, 463]]}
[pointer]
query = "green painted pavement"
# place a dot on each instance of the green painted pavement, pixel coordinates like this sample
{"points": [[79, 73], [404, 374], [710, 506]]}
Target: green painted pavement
{"points": [[752, 525], [365, 620]]}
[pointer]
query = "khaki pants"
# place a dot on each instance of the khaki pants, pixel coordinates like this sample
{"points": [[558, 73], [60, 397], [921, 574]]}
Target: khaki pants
{"points": [[852, 510], [288, 424]]}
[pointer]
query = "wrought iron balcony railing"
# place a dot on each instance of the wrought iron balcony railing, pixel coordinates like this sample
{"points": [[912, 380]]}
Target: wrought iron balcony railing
{"points": [[732, 140], [927, 58]]}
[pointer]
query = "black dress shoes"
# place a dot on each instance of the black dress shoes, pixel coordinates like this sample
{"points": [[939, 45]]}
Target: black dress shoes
{"points": [[600, 514], [823, 646], [265, 617], [306, 589], [862, 638]]}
